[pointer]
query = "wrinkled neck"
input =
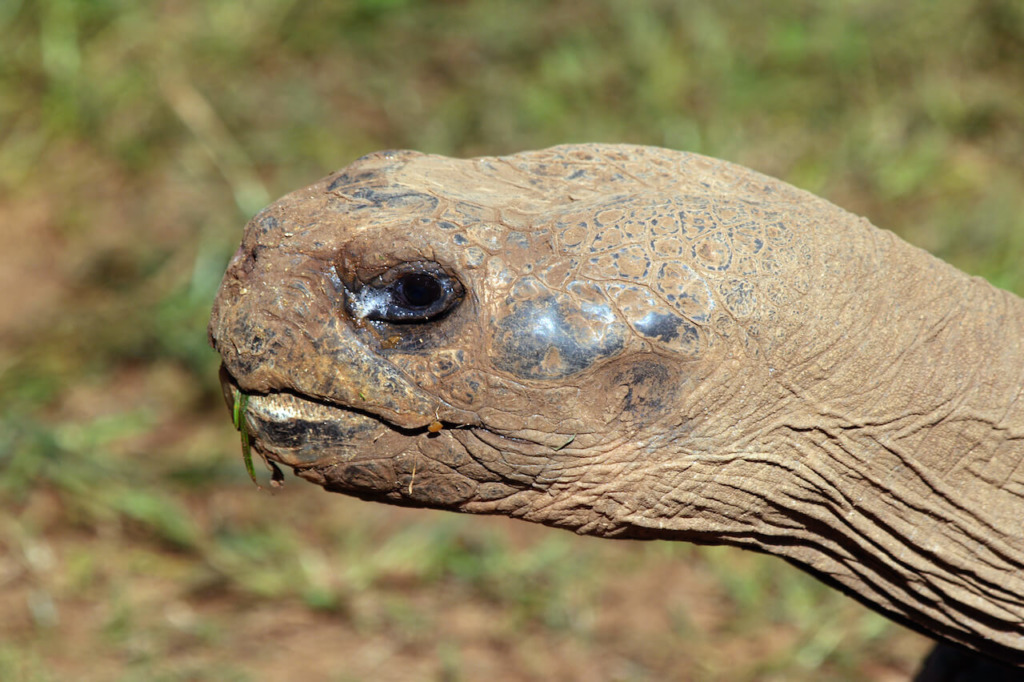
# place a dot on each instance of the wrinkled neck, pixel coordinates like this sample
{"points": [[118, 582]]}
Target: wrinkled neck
{"points": [[878, 441]]}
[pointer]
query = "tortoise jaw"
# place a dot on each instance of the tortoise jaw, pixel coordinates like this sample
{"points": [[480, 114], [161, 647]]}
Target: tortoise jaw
{"points": [[302, 433], [295, 431]]}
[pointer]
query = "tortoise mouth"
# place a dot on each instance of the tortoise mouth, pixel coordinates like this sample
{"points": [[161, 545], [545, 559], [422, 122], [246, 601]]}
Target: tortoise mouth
{"points": [[297, 431]]}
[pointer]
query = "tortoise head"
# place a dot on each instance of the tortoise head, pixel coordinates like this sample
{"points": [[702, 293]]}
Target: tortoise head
{"points": [[508, 334]]}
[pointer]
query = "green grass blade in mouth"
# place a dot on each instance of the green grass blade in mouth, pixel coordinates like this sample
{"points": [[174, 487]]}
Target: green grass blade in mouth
{"points": [[241, 401]]}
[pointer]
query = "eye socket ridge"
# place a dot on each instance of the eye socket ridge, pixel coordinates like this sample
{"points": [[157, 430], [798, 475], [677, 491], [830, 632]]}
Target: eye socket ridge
{"points": [[411, 292]]}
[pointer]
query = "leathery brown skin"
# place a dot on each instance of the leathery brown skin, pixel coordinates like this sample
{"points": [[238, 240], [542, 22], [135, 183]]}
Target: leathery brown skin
{"points": [[642, 343]]}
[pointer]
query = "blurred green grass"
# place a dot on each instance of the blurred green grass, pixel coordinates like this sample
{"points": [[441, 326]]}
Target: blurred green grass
{"points": [[136, 139]]}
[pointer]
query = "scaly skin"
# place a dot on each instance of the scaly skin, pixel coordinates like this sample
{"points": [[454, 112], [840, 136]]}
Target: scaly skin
{"points": [[647, 344]]}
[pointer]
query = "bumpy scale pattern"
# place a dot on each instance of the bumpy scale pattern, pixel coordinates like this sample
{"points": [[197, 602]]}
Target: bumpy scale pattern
{"points": [[591, 250], [652, 244]]}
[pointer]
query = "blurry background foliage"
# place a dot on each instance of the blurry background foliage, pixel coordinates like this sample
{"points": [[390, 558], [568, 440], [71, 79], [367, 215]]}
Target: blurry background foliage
{"points": [[136, 138]]}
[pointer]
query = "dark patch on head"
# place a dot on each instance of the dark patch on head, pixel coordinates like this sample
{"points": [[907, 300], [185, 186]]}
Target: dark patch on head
{"points": [[347, 178], [664, 326], [554, 337], [650, 387], [393, 198], [267, 223], [253, 343]]}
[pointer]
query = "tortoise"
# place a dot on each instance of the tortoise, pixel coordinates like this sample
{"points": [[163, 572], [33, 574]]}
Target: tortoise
{"points": [[632, 342]]}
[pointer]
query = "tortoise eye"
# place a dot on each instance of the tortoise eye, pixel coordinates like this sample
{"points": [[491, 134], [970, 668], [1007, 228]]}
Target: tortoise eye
{"points": [[411, 292], [417, 291]]}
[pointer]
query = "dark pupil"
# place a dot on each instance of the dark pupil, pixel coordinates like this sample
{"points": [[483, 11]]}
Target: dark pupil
{"points": [[418, 291]]}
